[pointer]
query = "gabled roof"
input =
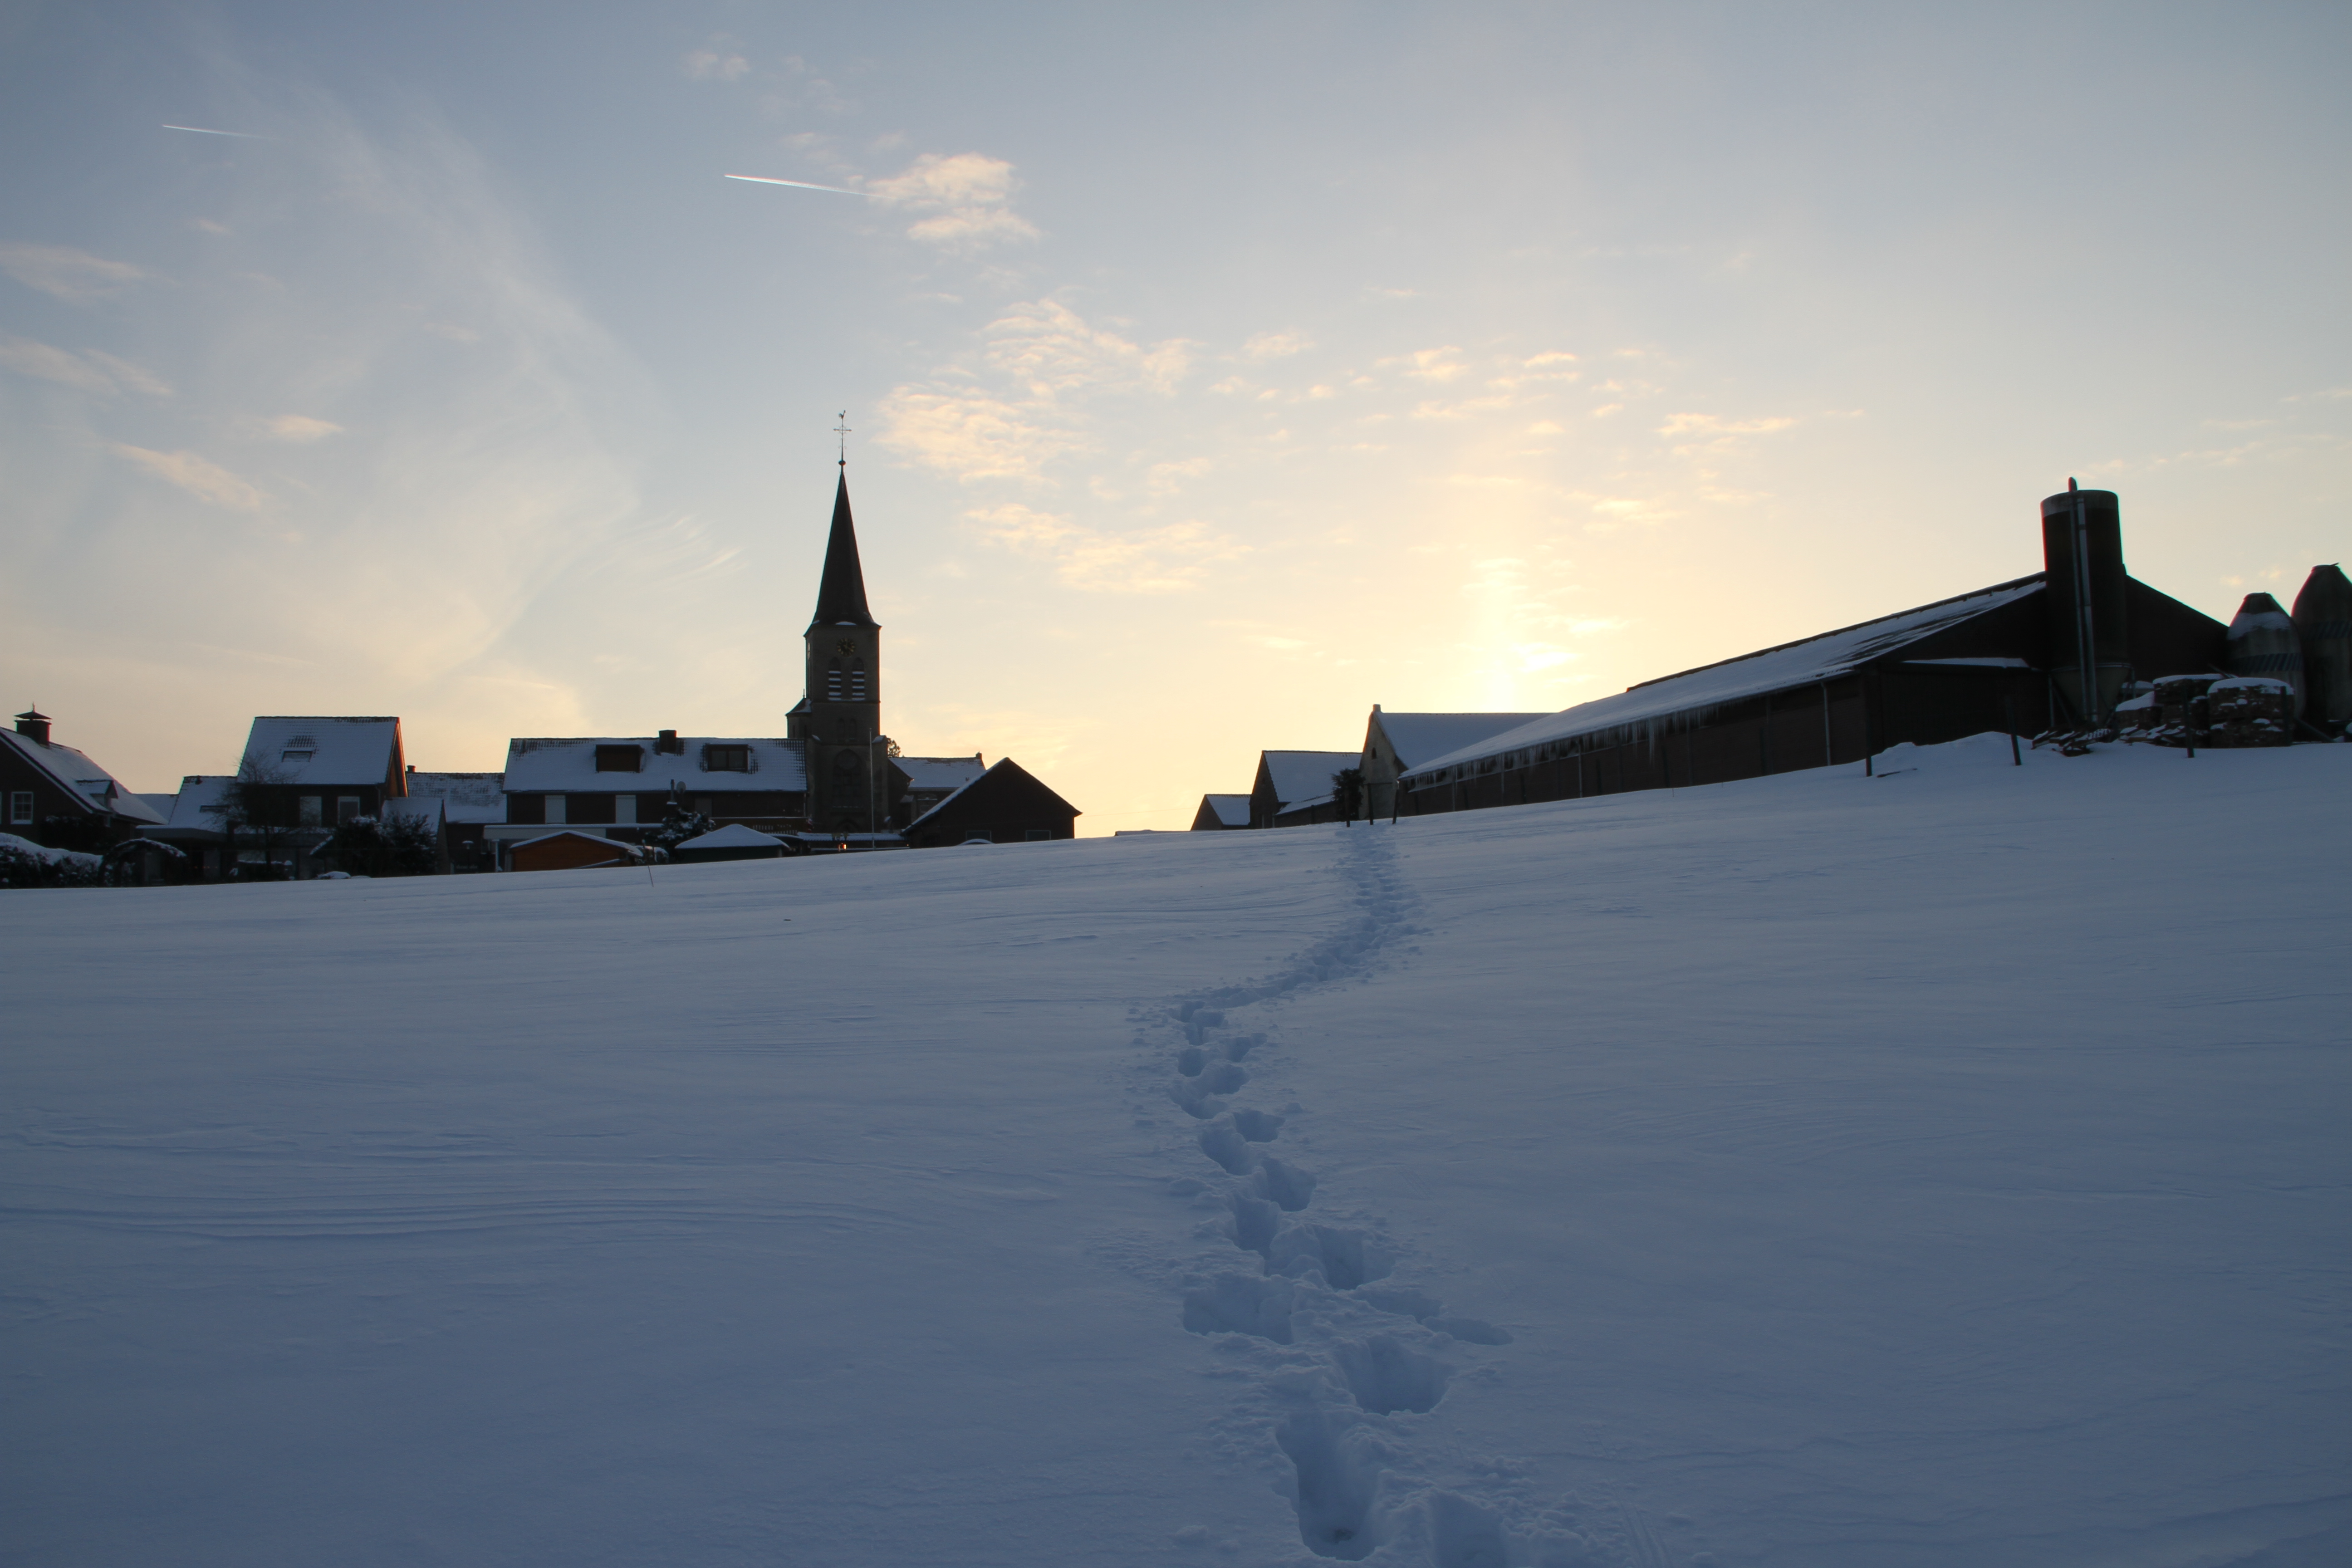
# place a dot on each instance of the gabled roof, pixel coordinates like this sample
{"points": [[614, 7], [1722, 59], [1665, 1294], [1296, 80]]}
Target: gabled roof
{"points": [[1303, 775], [464, 797], [841, 592], [427, 809], [1233, 810], [1805, 663], [325, 752], [199, 795], [75, 772], [734, 836], [1004, 768], [1418, 737], [940, 772], [568, 765]]}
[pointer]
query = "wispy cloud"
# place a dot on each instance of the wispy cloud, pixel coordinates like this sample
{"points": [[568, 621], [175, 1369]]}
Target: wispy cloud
{"points": [[721, 59], [299, 428], [968, 434], [66, 273], [1170, 559], [1052, 350], [969, 196], [1431, 364], [90, 371], [204, 480], [1276, 345]]}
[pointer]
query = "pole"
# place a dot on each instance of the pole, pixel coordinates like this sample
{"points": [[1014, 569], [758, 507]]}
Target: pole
{"points": [[2085, 641], [2009, 709]]}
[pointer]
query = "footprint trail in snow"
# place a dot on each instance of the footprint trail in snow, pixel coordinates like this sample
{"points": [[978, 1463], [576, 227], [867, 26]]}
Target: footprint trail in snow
{"points": [[1344, 1360]]}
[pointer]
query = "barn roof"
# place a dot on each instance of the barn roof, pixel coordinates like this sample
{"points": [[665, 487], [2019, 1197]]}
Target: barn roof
{"points": [[1813, 661], [78, 775], [325, 752], [1303, 775], [1418, 737], [1233, 810], [568, 765], [940, 772]]}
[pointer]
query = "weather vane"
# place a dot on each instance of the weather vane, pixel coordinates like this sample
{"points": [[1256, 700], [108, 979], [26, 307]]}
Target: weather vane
{"points": [[842, 430]]}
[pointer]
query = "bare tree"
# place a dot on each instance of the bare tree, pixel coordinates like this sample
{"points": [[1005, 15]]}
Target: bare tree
{"points": [[257, 801]]}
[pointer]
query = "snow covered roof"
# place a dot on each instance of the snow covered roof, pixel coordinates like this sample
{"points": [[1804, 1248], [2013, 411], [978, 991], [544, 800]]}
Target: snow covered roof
{"points": [[1233, 810], [75, 773], [1418, 737], [940, 772], [464, 797], [199, 794], [426, 809], [160, 805], [1816, 658], [568, 765], [1303, 775], [326, 751], [734, 836]]}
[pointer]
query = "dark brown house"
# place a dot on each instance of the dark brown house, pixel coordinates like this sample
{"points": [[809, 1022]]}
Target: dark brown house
{"points": [[57, 796], [1006, 804], [2008, 657]]}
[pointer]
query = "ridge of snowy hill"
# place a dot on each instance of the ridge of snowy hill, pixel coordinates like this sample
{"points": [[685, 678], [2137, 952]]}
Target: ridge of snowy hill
{"points": [[1939, 1168]]}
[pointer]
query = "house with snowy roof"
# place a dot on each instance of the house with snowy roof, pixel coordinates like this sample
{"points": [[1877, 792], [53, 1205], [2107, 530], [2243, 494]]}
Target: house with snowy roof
{"points": [[470, 804], [1288, 781], [1222, 812], [616, 787], [63, 798], [2055, 650], [1006, 804]]}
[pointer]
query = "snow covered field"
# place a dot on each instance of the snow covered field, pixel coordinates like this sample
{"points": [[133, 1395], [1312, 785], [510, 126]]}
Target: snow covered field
{"points": [[1947, 1168]]}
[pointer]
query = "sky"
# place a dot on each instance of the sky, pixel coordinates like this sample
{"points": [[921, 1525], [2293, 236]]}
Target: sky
{"points": [[1213, 374]]}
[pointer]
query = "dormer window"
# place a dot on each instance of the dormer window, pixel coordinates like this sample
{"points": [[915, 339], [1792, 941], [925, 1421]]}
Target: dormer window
{"points": [[298, 749], [727, 759], [620, 759]]}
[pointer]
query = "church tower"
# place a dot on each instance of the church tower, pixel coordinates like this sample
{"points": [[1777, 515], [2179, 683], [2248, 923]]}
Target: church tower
{"points": [[849, 775]]}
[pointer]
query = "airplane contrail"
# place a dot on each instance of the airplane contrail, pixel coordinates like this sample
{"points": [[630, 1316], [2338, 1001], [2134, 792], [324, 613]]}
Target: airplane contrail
{"points": [[204, 131], [799, 184]]}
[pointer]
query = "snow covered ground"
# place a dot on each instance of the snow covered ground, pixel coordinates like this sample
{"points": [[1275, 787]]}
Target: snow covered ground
{"points": [[1944, 1168]]}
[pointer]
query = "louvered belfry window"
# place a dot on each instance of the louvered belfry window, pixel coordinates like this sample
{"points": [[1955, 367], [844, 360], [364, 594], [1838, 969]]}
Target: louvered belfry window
{"points": [[833, 681], [857, 680]]}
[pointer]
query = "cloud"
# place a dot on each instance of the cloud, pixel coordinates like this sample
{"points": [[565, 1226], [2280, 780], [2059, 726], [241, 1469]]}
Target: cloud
{"points": [[968, 434], [721, 61], [1431, 364], [1166, 560], [1051, 349], [205, 480], [1712, 425], [67, 274], [969, 194], [1276, 345], [61, 366], [296, 428]]}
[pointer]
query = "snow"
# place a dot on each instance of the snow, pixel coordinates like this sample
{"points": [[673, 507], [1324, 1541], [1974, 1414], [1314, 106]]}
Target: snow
{"points": [[1815, 660], [1233, 810], [465, 797], [325, 752], [194, 808], [940, 772], [735, 835], [1944, 1168], [1301, 777], [79, 774], [1418, 737], [10, 844], [564, 766]]}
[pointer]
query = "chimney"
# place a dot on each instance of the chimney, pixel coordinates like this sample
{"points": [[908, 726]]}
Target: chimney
{"points": [[667, 743], [33, 725]]}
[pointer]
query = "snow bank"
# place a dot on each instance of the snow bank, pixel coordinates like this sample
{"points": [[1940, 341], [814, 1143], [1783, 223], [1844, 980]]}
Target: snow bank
{"points": [[1938, 1168]]}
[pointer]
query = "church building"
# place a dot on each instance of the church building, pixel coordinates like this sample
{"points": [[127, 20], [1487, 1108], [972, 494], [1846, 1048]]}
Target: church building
{"points": [[853, 786]]}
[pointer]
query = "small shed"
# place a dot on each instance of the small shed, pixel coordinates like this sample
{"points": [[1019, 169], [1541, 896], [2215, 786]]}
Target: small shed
{"points": [[572, 850], [1006, 804], [733, 842], [1287, 780], [1219, 813]]}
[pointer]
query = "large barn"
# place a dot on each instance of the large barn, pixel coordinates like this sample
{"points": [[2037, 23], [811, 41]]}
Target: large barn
{"points": [[2012, 656]]}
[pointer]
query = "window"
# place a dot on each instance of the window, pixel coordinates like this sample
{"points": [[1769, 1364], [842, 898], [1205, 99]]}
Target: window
{"points": [[624, 808], [555, 809], [527, 808], [20, 806], [313, 810], [857, 680], [620, 759], [592, 808], [727, 759], [298, 749], [346, 808], [833, 681]]}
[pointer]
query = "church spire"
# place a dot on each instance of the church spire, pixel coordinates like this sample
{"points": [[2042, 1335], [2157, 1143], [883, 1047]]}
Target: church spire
{"points": [[841, 593]]}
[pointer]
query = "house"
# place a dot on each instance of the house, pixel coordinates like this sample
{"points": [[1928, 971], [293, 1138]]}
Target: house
{"points": [[1006, 804], [470, 804], [1287, 780], [619, 786], [2058, 649], [573, 850], [1219, 813], [929, 781], [734, 842], [1394, 742], [60, 797]]}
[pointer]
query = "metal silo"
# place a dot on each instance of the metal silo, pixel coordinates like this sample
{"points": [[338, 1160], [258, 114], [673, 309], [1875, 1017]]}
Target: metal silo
{"points": [[2263, 643], [2083, 565], [2323, 622]]}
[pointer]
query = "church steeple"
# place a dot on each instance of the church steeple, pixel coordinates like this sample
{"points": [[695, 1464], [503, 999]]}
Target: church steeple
{"points": [[841, 593]]}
